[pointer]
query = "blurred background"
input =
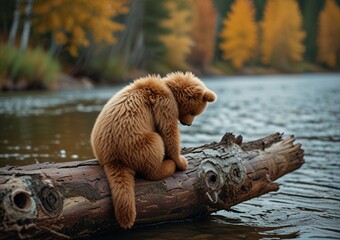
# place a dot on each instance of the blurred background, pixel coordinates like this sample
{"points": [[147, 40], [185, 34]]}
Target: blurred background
{"points": [[81, 52], [58, 44]]}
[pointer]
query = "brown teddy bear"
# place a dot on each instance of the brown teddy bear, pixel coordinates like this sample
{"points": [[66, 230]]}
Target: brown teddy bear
{"points": [[137, 132]]}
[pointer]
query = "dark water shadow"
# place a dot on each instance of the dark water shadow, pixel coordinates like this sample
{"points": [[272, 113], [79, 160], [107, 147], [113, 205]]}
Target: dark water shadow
{"points": [[211, 227]]}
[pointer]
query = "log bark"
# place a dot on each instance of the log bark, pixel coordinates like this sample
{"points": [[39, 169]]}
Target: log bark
{"points": [[70, 200]]}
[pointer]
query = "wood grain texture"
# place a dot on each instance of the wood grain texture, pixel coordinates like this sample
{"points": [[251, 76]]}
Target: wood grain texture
{"points": [[70, 200]]}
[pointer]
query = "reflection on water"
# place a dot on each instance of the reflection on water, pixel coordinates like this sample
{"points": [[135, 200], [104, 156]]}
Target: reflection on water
{"points": [[212, 227], [55, 126]]}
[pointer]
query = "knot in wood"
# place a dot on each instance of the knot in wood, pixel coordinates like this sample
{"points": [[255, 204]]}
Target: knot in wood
{"points": [[51, 200], [22, 200], [17, 200], [219, 175], [237, 173], [212, 179]]}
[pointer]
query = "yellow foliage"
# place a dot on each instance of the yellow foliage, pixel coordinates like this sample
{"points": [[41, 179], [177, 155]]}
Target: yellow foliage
{"points": [[60, 37], [239, 33], [72, 22], [178, 42], [282, 33], [328, 40]]}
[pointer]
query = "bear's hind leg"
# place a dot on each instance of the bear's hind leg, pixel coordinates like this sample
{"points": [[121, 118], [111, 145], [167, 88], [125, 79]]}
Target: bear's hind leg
{"points": [[150, 161], [164, 170]]}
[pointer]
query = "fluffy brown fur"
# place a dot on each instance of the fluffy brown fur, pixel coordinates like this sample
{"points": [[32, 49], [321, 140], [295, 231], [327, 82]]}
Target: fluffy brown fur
{"points": [[137, 132]]}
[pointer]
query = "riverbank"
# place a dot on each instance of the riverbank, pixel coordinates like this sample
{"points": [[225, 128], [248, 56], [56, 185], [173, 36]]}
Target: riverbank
{"points": [[82, 81], [66, 81]]}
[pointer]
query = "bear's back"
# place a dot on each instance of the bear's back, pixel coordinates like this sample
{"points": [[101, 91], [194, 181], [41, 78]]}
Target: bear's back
{"points": [[130, 110]]}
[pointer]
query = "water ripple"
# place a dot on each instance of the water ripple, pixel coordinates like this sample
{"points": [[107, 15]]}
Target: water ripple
{"points": [[55, 126]]}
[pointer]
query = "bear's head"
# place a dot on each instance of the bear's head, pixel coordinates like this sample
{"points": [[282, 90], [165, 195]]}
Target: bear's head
{"points": [[191, 95]]}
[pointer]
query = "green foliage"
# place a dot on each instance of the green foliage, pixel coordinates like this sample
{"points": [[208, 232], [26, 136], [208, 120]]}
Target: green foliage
{"points": [[311, 10], [105, 67], [23, 69], [224, 67], [6, 15], [154, 13]]}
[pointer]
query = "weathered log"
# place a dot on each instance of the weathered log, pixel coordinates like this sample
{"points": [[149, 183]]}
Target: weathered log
{"points": [[63, 200]]}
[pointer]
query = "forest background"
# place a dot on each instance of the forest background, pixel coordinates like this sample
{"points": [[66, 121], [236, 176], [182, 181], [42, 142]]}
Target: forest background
{"points": [[53, 44]]}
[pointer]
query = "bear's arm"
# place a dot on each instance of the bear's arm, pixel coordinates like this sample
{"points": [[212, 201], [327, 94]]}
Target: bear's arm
{"points": [[166, 121]]}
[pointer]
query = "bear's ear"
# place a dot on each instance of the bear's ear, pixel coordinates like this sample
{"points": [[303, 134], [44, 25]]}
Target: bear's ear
{"points": [[209, 96]]}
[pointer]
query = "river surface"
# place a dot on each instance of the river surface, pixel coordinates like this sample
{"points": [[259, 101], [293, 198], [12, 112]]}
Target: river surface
{"points": [[56, 126]]}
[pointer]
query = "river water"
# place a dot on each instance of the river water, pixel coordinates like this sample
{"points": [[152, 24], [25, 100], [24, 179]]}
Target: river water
{"points": [[56, 126]]}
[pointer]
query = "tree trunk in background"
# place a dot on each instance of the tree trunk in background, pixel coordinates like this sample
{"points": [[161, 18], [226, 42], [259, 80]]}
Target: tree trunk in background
{"points": [[68, 200], [27, 25], [131, 40], [15, 23]]}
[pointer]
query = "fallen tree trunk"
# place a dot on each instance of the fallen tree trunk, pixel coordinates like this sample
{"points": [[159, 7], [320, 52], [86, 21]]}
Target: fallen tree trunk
{"points": [[69, 200]]}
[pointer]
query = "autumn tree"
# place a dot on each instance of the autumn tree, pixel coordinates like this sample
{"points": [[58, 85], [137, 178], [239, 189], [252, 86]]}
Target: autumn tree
{"points": [[328, 40], [178, 41], [282, 34], [203, 33], [239, 33], [76, 23]]}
